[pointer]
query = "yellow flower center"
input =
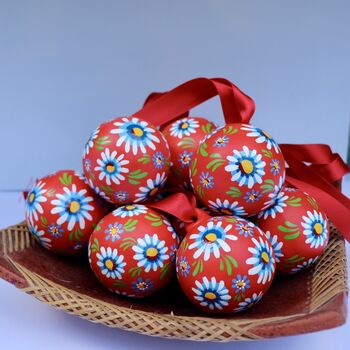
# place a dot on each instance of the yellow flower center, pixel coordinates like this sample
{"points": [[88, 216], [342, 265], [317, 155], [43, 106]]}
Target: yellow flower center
{"points": [[114, 230], [130, 207], [206, 181], [152, 253], [74, 206], [110, 167], [252, 196], [210, 295], [109, 264], [141, 285], [240, 284], [246, 166], [159, 160], [153, 191], [137, 131], [210, 237], [183, 266], [184, 125], [266, 134], [318, 228], [31, 197], [220, 140], [265, 257], [226, 211], [276, 165], [186, 159]]}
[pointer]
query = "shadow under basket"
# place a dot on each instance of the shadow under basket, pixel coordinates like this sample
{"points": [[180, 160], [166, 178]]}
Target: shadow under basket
{"points": [[310, 301]]}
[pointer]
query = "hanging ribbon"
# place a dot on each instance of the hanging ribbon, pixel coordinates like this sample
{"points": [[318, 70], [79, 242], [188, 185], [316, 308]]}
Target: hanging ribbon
{"points": [[313, 168], [237, 106]]}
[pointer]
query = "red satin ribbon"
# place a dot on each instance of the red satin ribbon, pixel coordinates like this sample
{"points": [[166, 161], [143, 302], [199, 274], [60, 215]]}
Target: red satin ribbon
{"points": [[237, 106], [313, 168]]}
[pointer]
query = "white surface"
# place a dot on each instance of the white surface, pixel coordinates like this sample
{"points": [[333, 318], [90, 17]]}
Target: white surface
{"points": [[29, 324]]}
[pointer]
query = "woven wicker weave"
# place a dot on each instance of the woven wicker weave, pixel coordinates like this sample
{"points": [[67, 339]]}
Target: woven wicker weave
{"points": [[310, 301]]}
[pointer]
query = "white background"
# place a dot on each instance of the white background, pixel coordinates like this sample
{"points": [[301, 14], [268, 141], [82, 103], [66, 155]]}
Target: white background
{"points": [[66, 66]]}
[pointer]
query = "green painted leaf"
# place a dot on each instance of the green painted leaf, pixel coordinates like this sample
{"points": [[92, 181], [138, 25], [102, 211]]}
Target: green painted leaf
{"points": [[65, 179], [214, 164], [43, 221], [312, 202], [207, 128], [135, 271], [187, 142], [107, 189], [267, 153], [230, 130], [50, 192], [294, 201], [95, 246], [134, 182], [198, 267], [292, 236], [119, 284], [103, 140], [233, 261], [215, 155], [145, 159], [130, 225], [137, 174], [127, 243], [234, 192], [194, 167], [165, 270], [202, 149]]}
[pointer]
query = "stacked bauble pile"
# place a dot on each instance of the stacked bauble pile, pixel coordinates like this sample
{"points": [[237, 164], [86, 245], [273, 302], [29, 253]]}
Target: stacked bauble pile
{"points": [[253, 225]]}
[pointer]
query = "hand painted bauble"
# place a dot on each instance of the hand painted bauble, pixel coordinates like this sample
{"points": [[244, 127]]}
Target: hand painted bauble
{"points": [[127, 159], [183, 136], [62, 211], [237, 170], [225, 264], [297, 228], [132, 251]]}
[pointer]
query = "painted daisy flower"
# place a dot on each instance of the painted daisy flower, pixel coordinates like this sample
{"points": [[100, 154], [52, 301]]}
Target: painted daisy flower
{"points": [[150, 252], [275, 166], [87, 165], [90, 142], [249, 302], [276, 245], [34, 199], [39, 235], [55, 230], [112, 167], [246, 167], [98, 191], [227, 208], [73, 207], [206, 180], [121, 196], [304, 265], [263, 260], [261, 137], [315, 229], [240, 284], [152, 187], [211, 293], [135, 134], [130, 210], [210, 239], [170, 228], [114, 231], [184, 127], [252, 196], [183, 266], [123, 294], [158, 160], [276, 204], [142, 285], [185, 158], [245, 228], [221, 141], [111, 264]]}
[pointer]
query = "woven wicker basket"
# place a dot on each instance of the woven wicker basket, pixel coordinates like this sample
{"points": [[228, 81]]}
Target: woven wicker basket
{"points": [[312, 300]]}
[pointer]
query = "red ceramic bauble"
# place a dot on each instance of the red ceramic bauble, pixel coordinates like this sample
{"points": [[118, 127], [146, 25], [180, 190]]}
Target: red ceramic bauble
{"points": [[225, 264], [127, 159], [62, 211], [184, 136], [132, 251], [237, 170], [297, 228]]}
